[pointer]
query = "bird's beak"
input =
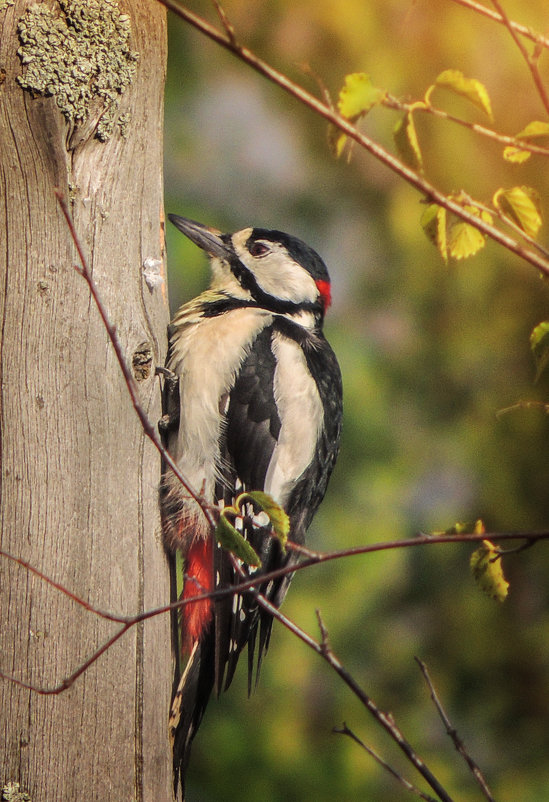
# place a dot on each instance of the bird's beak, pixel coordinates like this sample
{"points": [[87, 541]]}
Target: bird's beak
{"points": [[209, 239]]}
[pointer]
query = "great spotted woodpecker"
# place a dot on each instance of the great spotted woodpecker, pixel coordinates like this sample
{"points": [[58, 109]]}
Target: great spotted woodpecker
{"points": [[254, 403]]}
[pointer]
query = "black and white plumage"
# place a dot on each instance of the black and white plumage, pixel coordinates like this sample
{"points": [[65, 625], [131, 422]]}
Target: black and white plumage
{"points": [[254, 403]]}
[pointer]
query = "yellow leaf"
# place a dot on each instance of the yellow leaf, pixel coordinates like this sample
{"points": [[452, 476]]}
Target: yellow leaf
{"points": [[336, 141], [469, 88], [479, 527], [463, 527], [433, 222], [539, 343], [516, 155], [533, 130], [358, 95], [487, 571], [464, 240], [521, 205], [406, 140]]}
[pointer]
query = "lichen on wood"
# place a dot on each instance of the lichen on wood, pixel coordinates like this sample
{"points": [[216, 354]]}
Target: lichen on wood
{"points": [[80, 56]]}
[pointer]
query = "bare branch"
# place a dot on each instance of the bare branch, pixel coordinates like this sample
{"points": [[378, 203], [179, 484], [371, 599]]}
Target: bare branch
{"points": [[523, 405], [208, 510], [531, 61], [225, 21], [385, 720], [246, 584], [120, 619], [523, 30], [452, 732], [69, 681], [344, 730]]}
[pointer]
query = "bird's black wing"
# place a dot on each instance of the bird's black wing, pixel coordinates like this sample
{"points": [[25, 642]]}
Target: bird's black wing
{"points": [[250, 434]]}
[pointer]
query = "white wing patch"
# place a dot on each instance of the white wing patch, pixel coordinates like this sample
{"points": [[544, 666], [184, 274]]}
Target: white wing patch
{"points": [[301, 412]]}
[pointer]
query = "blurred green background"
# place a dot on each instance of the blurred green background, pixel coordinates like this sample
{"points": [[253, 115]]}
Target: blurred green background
{"points": [[429, 354]]}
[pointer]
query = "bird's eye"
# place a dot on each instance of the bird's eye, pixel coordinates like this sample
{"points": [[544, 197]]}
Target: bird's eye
{"points": [[259, 249]]}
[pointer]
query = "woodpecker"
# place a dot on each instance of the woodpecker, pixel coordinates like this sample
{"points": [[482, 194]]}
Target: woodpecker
{"points": [[253, 402]]}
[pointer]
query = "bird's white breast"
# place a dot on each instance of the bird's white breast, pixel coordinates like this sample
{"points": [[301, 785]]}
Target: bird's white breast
{"points": [[206, 355]]}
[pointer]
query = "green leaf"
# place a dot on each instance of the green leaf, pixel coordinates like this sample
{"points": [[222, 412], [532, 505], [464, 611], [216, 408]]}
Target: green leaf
{"points": [[521, 205], [488, 573], [433, 222], [464, 240], [179, 572], [539, 343], [533, 130], [406, 140], [280, 521], [358, 96], [232, 541], [469, 88]]}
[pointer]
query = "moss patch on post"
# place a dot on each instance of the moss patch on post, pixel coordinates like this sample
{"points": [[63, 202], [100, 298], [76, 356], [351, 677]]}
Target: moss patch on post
{"points": [[11, 792], [80, 56]]}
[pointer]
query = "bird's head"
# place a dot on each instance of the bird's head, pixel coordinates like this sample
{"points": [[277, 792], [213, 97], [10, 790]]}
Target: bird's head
{"points": [[274, 270]]}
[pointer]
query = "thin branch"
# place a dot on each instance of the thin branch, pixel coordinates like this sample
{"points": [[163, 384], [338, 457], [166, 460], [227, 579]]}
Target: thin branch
{"points": [[452, 732], [63, 589], [376, 150], [208, 510], [66, 683], [385, 720], [523, 30], [225, 21], [530, 60], [523, 405], [344, 730], [245, 585], [312, 558], [392, 102], [507, 221]]}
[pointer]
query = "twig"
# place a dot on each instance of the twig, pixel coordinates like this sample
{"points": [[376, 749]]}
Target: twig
{"points": [[452, 732], [376, 150], [244, 586], [392, 102], [225, 21], [66, 683], [523, 405], [385, 720], [63, 589], [344, 730], [208, 510], [495, 211], [523, 30], [530, 61]]}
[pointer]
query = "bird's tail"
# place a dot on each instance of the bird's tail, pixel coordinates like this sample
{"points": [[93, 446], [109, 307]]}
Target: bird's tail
{"points": [[188, 706]]}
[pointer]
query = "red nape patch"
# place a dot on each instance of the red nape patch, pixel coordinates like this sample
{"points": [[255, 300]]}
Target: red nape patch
{"points": [[196, 616], [325, 291]]}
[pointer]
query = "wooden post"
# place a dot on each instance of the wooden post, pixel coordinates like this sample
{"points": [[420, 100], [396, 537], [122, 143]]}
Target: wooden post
{"points": [[78, 478]]}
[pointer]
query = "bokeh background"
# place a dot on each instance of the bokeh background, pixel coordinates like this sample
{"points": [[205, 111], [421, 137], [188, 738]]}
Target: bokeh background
{"points": [[429, 354]]}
